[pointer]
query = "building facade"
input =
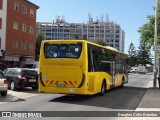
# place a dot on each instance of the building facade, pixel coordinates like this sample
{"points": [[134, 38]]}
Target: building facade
{"points": [[109, 32], [17, 30]]}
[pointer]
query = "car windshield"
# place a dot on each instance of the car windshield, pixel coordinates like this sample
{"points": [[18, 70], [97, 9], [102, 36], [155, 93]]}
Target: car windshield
{"points": [[62, 50], [29, 72], [28, 66]]}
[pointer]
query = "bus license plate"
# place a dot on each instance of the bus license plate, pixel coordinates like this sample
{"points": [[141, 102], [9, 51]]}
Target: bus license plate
{"points": [[61, 85], [32, 80]]}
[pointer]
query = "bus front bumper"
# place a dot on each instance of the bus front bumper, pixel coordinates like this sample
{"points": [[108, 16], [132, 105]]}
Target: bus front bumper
{"points": [[58, 90]]}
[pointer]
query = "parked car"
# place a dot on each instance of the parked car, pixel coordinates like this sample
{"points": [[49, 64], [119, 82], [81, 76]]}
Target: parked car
{"points": [[21, 77], [133, 70], [31, 65], [142, 69], [3, 84]]}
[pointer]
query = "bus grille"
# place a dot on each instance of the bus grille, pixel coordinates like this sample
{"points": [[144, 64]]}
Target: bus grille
{"points": [[91, 84]]}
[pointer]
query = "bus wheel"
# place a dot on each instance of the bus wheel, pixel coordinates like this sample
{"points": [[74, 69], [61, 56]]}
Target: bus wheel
{"points": [[122, 82], [103, 88]]}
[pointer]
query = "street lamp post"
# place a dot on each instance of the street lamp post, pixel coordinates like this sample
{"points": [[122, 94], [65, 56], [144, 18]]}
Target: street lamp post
{"points": [[155, 43]]}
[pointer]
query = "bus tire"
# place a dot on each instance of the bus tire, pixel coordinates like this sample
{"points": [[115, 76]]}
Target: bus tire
{"points": [[103, 88], [122, 81]]}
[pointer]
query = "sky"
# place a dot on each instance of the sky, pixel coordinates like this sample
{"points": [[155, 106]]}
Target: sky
{"points": [[129, 14]]}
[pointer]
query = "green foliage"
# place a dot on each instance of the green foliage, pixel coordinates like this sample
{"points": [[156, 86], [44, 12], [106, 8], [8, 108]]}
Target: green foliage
{"points": [[143, 54], [132, 55], [77, 37], [84, 37], [100, 42], [147, 30], [39, 37], [147, 37]]}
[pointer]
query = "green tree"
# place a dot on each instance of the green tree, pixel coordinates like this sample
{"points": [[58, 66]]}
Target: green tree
{"points": [[39, 38], [132, 55], [147, 35], [143, 54], [100, 42], [147, 30], [76, 37], [84, 37]]}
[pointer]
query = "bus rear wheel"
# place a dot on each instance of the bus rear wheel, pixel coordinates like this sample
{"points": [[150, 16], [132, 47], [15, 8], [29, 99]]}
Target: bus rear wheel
{"points": [[122, 82], [103, 88]]}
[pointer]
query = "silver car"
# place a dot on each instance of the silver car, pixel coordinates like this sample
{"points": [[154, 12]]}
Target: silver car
{"points": [[3, 84]]}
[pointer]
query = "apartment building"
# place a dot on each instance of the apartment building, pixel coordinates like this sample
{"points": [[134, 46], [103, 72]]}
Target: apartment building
{"points": [[17, 31], [108, 31]]}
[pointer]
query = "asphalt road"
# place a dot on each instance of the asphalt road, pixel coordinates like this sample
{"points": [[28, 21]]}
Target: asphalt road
{"points": [[126, 98], [140, 80]]}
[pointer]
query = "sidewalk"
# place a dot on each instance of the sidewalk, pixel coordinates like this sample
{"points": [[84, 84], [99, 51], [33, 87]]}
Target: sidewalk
{"points": [[151, 100]]}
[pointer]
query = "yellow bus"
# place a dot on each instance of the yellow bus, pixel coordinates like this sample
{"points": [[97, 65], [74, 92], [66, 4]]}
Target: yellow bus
{"points": [[80, 67]]}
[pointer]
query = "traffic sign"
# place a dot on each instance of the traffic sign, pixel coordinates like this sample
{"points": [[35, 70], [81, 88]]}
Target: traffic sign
{"points": [[156, 48]]}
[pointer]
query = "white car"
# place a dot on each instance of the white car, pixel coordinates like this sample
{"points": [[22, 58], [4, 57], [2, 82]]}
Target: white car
{"points": [[3, 85], [142, 69], [133, 70]]}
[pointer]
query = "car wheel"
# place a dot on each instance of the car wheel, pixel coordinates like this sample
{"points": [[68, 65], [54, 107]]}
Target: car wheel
{"points": [[34, 87], [103, 88], [4, 93], [13, 86]]}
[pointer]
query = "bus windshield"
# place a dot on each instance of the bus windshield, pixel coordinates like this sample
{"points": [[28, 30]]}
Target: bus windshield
{"points": [[62, 50]]}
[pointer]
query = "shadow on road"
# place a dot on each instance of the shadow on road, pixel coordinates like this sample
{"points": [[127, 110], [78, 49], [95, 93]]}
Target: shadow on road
{"points": [[119, 98]]}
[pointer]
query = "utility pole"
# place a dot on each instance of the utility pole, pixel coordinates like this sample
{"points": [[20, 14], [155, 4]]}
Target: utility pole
{"points": [[155, 43]]}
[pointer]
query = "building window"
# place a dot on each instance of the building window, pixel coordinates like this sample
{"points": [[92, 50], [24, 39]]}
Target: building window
{"points": [[117, 36], [30, 47], [117, 45], [15, 25], [31, 30], [24, 27], [116, 41], [24, 9], [23, 46], [16, 6], [0, 23], [1, 4], [117, 31], [15, 44], [31, 12]]}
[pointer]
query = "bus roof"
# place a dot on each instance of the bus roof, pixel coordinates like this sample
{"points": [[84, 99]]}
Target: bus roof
{"points": [[105, 47]]}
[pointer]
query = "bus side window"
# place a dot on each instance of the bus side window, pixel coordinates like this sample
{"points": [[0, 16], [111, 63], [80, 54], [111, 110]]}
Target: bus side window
{"points": [[96, 67], [108, 67]]}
